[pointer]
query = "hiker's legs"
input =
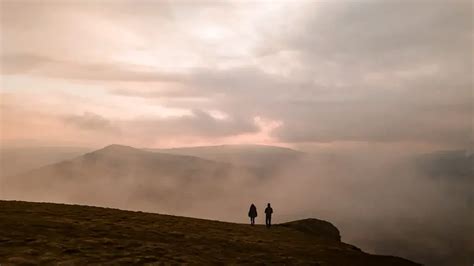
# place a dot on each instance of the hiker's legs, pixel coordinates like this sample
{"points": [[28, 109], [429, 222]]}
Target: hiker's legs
{"points": [[252, 220]]}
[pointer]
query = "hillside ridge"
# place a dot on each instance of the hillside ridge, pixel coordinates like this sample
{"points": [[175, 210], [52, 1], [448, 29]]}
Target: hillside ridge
{"points": [[76, 234]]}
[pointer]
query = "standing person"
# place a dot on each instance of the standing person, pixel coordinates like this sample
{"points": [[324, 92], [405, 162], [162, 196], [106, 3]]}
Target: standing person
{"points": [[268, 215], [252, 214]]}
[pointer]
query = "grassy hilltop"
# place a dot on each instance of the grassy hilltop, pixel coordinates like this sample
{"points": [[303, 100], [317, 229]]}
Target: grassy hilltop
{"points": [[45, 233]]}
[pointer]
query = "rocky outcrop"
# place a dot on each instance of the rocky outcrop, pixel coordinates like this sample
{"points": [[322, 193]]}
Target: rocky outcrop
{"points": [[315, 227]]}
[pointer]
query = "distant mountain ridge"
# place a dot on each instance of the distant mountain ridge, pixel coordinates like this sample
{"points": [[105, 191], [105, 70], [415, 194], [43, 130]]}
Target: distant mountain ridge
{"points": [[268, 158], [128, 176], [15, 161]]}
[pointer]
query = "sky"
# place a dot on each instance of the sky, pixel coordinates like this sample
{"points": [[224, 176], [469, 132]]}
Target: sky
{"points": [[311, 74]]}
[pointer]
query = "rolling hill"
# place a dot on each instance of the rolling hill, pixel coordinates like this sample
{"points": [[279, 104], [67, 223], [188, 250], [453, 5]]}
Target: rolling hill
{"points": [[78, 235], [125, 177]]}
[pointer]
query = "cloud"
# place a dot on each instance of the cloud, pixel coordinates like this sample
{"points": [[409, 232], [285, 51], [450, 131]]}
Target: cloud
{"points": [[89, 121], [366, 75], [365, 71], [199, 123], [50, 67], [407, 67], [377, 122]]}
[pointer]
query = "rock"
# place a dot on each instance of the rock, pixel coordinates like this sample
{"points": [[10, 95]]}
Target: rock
{"points": [[315, 227]]}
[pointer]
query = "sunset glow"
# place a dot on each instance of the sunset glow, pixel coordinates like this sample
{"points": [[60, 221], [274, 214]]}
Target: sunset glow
{"points": [[90, 73]]}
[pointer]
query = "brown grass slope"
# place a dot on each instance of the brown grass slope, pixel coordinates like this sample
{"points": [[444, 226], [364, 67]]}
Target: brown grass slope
{"points": [[48, 233]]}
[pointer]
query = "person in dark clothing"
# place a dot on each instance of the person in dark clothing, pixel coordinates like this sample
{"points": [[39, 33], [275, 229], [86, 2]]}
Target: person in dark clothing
{"points": [[252, 214], [268, 215]]}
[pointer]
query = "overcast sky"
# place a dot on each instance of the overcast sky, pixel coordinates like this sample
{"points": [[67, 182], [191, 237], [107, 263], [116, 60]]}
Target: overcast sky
{"points": [[184, 73]]}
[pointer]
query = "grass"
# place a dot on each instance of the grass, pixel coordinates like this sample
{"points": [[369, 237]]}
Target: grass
{"points": [[46, 233]]}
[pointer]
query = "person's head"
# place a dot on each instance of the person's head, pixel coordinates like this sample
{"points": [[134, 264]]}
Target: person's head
{"points": [[268, 204]]}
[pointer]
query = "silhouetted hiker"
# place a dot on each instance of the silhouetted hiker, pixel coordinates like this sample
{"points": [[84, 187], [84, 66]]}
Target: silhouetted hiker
{"points": [[252, 214], [268, 215]]}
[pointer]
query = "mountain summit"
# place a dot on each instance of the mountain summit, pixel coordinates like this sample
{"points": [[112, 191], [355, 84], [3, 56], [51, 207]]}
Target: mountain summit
{"points": [[117, 148]]}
